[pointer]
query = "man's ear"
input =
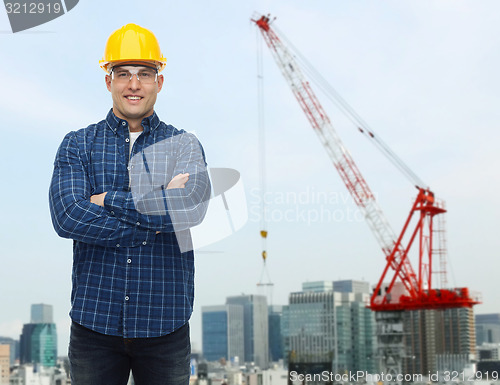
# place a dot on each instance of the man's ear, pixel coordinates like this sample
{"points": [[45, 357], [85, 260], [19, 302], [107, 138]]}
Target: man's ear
{"points": [[107, 79], [160, 82]]}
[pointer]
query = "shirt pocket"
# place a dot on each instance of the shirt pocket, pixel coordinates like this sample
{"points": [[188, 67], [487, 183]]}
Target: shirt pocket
{"points": [[107, 168]]}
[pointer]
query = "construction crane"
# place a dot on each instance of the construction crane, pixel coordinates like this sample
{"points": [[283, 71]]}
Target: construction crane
{"points": [[400, 286], [419, 292]]}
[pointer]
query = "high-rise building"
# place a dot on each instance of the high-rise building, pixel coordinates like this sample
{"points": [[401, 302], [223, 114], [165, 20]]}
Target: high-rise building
{"points": [[222, 332], [38, 343], [255, 325], [275, 335], [329, 330], [363, 334], [438, 340], [41, 314], [4, 364], [487, 328]]}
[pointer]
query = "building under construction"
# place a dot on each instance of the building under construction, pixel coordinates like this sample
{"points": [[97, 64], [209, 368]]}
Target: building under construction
{"points": [[325, 329], [439, 340], [425, 341]]}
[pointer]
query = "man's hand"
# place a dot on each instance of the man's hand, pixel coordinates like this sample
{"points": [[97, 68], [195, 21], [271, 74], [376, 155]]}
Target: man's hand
{"points": [[98, 199], [178, 181]]}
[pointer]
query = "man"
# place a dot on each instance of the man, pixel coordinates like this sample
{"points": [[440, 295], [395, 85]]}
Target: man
{"points": [[127, 190]]}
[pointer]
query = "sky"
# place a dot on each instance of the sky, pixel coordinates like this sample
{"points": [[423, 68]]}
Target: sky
{"points": [[422, 73]]}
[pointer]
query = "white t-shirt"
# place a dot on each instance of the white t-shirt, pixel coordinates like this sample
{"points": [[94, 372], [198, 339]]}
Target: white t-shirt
{"points": [[133, 138]]}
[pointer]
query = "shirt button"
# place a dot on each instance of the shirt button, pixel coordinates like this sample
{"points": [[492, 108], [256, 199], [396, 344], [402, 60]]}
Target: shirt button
{"points": [[129, 260], [117, 245], [127, 140], [144, 243], [112, 213], [126, 298], [138, 223], [129, 168], [124, 123]]}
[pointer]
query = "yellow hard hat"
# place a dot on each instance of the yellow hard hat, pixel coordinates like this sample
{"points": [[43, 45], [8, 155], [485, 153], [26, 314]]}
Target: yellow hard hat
{"points": [[132, 42]]}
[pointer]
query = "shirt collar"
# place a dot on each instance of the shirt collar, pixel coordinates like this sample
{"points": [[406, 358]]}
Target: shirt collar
{"points": [[149, 123]]}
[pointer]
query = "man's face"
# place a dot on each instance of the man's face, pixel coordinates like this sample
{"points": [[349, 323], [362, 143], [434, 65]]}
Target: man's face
{"points": [[133, 99]]}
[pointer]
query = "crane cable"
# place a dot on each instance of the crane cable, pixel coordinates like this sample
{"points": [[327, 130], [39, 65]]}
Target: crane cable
{"points": [[351, 114], [262, 168]]}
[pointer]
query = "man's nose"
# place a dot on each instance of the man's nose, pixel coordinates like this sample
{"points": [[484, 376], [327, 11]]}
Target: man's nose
{"points": [[134, 82]]}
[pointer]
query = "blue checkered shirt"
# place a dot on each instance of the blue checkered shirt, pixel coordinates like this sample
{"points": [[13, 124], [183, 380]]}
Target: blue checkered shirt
{"points": [[133, 266]]}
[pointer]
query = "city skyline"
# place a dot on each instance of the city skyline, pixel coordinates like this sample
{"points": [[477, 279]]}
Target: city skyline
{"points": [[427, 87], [487, 324]]}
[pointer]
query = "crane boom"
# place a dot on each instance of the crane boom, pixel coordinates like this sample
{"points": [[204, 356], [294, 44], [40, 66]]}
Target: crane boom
{"points": [[341, 158], [418, 289]]}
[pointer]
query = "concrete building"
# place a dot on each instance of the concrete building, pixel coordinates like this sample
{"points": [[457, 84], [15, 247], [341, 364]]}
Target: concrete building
{"points": [[4, 364], [223, 332], [329, 330], [39, 375], [487, 328], [488, 352], [488, 359], [255, 325], [14, 348]]}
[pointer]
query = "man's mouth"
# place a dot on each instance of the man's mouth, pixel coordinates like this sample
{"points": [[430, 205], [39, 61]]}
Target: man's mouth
{"points": [[133, 97]]}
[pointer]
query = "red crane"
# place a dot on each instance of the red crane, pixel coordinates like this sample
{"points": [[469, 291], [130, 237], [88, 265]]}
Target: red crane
{"points": [[407, 289]]}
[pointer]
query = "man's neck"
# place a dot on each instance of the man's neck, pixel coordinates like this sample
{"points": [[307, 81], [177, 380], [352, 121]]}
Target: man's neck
{"points": [[135, 125]]}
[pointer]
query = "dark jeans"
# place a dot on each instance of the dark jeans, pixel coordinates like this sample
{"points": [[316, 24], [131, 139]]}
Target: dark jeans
{"points": [[98, 359]]}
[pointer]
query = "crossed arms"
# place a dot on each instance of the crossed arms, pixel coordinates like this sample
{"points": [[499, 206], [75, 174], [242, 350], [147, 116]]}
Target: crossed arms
{"points": [[129, 218]]}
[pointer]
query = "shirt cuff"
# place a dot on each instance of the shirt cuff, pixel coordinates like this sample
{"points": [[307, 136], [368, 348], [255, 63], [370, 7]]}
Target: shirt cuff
{"points": [[115, 202]]}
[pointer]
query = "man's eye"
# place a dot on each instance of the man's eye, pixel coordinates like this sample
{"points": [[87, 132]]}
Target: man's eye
{"points": [[122, 74], [146, 75]]}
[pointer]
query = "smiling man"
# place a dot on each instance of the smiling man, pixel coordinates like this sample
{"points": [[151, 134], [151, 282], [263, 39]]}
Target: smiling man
{"points": [[127, 190], [134, 89]]}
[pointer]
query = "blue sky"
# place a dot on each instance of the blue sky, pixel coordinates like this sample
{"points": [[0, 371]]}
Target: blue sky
{"points": [[423, 74]]}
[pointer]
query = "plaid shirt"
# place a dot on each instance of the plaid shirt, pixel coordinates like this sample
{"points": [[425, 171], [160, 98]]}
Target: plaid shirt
{"points": [[128, 279]]}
